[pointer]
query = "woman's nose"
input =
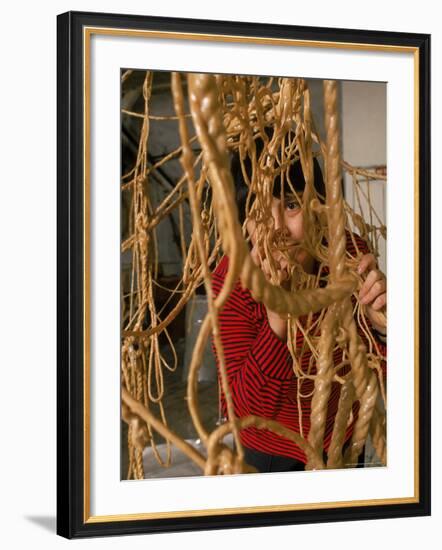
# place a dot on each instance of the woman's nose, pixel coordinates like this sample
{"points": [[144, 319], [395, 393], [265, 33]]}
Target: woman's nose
{"points": [[277, 217]]}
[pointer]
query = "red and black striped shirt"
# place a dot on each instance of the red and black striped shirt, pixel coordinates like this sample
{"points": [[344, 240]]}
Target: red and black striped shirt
{"points": [[260, 370]]}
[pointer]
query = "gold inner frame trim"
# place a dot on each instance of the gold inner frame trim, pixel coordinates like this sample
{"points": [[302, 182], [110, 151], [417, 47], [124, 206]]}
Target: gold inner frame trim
{"points": [[254, 509], [87, 33]]}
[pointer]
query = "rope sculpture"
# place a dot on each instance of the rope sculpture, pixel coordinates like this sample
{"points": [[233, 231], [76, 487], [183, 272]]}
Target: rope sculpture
{"points": [[228, 114]]}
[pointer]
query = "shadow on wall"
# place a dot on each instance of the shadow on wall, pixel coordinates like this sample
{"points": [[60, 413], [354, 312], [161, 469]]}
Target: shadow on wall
{"points": [[48, 523]]}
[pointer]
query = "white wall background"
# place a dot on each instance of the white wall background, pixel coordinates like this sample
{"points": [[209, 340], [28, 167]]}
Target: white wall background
{"points": [[28, 230]]}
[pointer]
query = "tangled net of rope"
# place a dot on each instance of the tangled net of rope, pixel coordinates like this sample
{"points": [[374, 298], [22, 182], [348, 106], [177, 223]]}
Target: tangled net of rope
{"points": [[229, 113]]}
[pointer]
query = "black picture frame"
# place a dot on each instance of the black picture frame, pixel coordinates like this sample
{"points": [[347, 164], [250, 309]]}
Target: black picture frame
{"points": [[72, 516]]}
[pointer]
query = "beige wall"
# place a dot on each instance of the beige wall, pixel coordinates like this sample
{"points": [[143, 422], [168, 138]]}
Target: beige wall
{"points": [[364, 139]]}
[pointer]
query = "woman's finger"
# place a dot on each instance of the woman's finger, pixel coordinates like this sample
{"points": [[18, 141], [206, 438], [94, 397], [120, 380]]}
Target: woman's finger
{"points": [[255, 255], [372, 277], [265, 267], [368, 261], [380, 302], [379, 287]]}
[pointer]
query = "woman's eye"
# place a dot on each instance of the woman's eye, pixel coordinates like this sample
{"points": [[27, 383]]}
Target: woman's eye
{"points": [[292, 205]]}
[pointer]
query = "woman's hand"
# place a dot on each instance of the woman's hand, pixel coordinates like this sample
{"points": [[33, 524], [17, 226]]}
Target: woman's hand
{"points": [[373, 293], [277, 323], [280, 274]]}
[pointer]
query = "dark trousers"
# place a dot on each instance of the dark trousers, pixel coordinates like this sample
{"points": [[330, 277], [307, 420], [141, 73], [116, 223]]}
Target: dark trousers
{"points": [[264, 462]]}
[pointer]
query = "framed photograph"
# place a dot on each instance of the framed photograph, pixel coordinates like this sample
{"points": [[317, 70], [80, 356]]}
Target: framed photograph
{"points": [[232, 200]]}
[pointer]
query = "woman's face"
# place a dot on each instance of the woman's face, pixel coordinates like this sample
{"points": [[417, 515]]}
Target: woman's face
{"points": [[287, 219], [288, 222], [287, 216]]}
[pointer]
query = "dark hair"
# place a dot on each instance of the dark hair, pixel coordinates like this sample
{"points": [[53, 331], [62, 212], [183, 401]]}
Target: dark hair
{"points": [[296, 176]]}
